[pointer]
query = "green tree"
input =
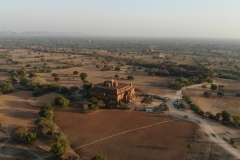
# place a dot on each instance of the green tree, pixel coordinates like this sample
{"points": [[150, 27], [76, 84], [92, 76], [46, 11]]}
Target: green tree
{"points": [[24, 80], [130, 77], [6, 88], [207, 94], [83, 76], [61, 101], [59, 148], [54, 74], [75, 72], [98, 157], [218, 116], [213, 87], [53, 87], [225, 116], [60, 145], [30, 137]]}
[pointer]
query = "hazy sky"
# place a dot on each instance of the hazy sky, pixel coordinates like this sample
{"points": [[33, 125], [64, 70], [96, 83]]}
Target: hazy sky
{"points": [[147, 18]]}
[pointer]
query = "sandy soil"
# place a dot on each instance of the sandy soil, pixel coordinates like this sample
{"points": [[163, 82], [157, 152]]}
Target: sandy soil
{"points": [[15, 111]]}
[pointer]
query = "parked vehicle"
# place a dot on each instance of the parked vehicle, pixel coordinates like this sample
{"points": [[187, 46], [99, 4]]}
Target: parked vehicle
{"points": [[186, 116]]}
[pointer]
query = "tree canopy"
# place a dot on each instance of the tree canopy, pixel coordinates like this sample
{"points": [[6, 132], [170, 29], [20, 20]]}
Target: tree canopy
{"points": [[6, 88], [61, 101], [83, 76]]}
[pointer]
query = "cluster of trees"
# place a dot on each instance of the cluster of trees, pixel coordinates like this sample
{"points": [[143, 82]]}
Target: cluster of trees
{"points": [[182, 82], [45, 126], [43, 89]]}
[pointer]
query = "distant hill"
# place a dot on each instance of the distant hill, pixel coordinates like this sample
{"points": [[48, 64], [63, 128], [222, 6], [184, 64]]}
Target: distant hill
{"points": [[40, 34]]}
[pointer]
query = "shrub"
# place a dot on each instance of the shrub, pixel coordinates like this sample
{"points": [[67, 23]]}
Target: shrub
{"points": [[45, 126], [130, 77], [213, 87], [55, 75], [30, 137], [53, 87], [6, 88], [197, 109], [24, 80], [207, 94], [75, 72], [61, 101], [98, 157], [56, 78]]}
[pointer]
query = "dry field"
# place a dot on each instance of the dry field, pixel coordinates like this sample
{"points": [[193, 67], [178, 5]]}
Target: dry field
{"points": [[120, 134], [216, 104]]}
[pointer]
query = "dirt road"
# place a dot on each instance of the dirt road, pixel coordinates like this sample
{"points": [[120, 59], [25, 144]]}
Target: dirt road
{"points": [[212, 129]]}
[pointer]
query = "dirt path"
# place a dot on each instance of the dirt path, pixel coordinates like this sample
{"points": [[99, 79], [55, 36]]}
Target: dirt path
{"points": [[205, 124]]}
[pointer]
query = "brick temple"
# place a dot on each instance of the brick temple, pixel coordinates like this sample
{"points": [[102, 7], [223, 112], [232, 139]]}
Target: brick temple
{"points": [[111, 90]]}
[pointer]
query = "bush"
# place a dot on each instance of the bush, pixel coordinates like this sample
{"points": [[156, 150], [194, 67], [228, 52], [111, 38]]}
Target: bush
{"points": [[24, 80], [213, 87], [98, 157], [75, 72], [55, 75], [6, 88], [45, 126], [130, 77], [197, 109], [61, 101], [238, 94], [53, 87], [19, 132], [56, 78], [30, 137], [207, 94]]}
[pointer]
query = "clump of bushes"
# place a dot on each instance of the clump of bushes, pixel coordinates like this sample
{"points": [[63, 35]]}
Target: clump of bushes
{"points": [[61, 101]]}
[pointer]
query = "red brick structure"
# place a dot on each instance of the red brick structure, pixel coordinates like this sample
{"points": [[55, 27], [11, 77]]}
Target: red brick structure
{"points": [[111, 90]]}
